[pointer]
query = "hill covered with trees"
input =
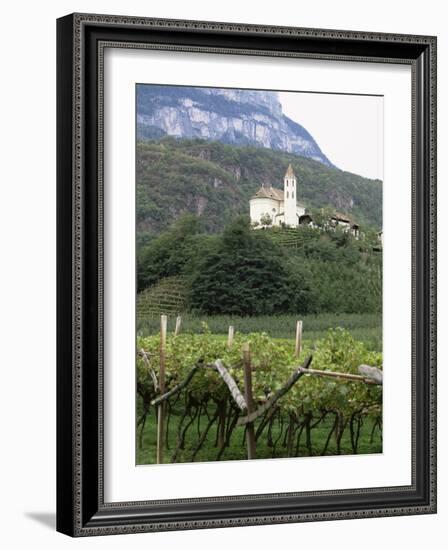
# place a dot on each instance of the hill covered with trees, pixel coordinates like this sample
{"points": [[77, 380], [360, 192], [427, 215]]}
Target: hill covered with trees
{"points": [[215, 181], [247, 272]]}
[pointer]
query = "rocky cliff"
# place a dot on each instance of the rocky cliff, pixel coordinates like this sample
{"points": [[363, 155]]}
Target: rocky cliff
{"points": [[236, 117]]}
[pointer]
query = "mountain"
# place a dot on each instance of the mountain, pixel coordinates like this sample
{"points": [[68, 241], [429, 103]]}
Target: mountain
{"points": [[236, 117], [216, 180]]}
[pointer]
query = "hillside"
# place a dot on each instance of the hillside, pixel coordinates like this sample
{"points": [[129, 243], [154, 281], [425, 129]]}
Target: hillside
{"points": [[249, 273], [236, 117], [215, 181]]}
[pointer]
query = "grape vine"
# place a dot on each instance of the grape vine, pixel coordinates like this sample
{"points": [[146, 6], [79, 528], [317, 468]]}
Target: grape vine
{"points": [[204, 410]]}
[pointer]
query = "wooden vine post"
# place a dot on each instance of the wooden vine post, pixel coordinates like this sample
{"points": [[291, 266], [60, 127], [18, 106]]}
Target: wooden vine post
{"points": [[250, 430], [230, 337], [161, 406], [178, 325], [298, 347]]}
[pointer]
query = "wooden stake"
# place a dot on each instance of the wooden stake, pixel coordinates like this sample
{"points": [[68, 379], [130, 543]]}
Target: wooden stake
{"points": [[230, 337], [250, 431], [269, 404], [343, 376], [298, 347], [161, 407], [231, 384], [178, 324]]}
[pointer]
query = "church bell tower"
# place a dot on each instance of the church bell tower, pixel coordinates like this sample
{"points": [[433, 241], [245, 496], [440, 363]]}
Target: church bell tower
{"points": [[290, 197]]}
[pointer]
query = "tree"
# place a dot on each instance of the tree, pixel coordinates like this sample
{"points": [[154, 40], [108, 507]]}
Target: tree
{"points": [[167, 254], [246, 274], [266, 220]]}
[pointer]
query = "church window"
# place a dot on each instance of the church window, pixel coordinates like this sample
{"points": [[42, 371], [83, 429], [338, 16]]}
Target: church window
{"points": [[292, 194], [287, 195]]}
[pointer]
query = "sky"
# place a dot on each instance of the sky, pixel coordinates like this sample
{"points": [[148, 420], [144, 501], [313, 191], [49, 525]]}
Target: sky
{"points": [[347, 128]]}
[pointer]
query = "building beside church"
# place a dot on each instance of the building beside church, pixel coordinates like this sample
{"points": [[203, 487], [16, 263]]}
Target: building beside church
{"points": [[345, 223], [279, 205]]}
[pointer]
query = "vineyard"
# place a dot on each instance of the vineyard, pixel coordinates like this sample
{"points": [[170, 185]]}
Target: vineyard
{"points": [[288, 237], [366, 327], [237, 352], [167, 296], [206, 397]]}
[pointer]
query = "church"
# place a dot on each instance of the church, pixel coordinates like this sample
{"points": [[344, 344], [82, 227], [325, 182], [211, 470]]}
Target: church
{"points": [[281, 206]]}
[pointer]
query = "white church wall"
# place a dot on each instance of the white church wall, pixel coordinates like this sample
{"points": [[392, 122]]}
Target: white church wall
{"points": [[261, 206], [300, 211]]}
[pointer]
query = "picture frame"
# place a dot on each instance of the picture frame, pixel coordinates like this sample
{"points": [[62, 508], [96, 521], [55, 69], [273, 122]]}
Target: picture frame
{"points": [[81, 506]]}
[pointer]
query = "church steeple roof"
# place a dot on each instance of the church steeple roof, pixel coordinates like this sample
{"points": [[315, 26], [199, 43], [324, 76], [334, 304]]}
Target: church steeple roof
{"points": [[290, 172]]}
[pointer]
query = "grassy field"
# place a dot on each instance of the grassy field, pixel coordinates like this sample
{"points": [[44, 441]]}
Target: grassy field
{"points": [[364, 327], [237, 448]]}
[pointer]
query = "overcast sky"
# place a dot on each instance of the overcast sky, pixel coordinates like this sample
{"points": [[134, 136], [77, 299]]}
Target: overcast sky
{"points": [[347, 128]]}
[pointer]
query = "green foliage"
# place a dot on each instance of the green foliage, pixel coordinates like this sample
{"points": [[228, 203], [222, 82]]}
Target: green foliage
{"points": [[272, 362], [249, 272], [310, 399], [266, 220], [342, 275], [366, 327], [338, 352], [167, 254], [170, 182], [245, 275]]}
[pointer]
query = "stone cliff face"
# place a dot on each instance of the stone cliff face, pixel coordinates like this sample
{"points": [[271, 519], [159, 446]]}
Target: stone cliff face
{"points": [[237, 117]]}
